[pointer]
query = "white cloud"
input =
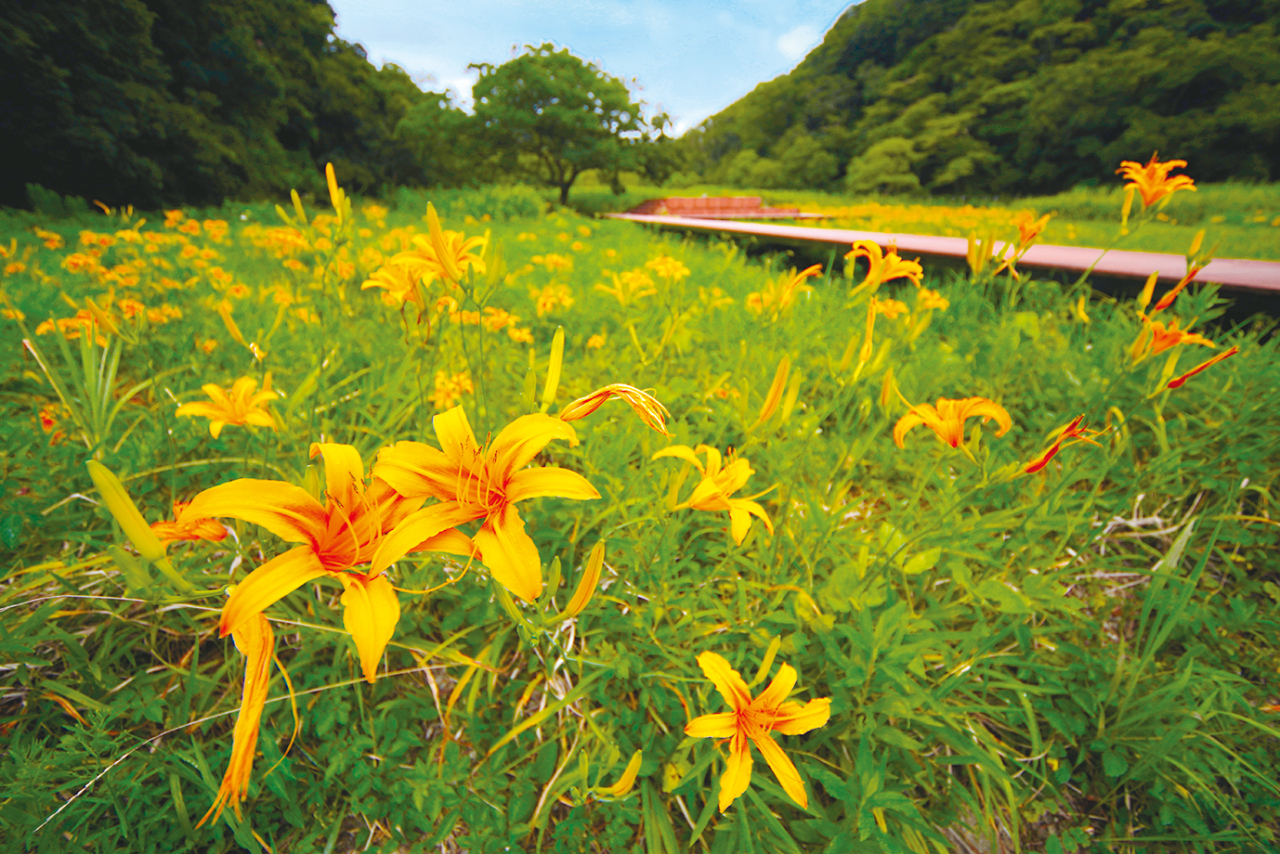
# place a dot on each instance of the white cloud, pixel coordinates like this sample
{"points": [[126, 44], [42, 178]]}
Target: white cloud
{"points": [[795, 44]]}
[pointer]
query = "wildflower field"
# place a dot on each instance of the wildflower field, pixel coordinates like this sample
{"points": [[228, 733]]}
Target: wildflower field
{"points": [[472, 527]]}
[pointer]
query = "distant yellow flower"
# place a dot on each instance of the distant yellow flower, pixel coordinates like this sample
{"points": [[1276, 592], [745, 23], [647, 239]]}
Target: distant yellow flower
{"points": [[450, 389], [948, 417], [668, 268], [520, 336], [472, 482], [549, 298], [1152, 181], [595, 342], [717, 485], [496, 319], [754, 721], [629, 287], [927, 299], [238, 405], [888, 308]]}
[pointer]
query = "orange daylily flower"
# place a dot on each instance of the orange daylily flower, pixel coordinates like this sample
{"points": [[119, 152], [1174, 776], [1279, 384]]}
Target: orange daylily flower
{"points": [[753, 721], [1152, 181], [645, 405], [355, 522], [948, 417], [1155, 338], [882, 266], [241, 404], [1074, 430], [194, 529], [473, 482], [717, 485]]}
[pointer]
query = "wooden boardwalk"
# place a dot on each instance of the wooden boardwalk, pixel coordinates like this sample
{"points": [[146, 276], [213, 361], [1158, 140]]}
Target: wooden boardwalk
{"points": [[1261, 278]]}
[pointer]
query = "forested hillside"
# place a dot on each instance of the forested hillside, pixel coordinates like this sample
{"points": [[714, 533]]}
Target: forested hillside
{"points": [[957, 96], [193, 101]]}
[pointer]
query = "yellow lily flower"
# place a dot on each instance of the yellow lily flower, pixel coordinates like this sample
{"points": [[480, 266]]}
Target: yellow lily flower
{"points": [[718, 484], [473, 482], [883, 267], [336, 536], [753, 721], [948, 417], [442, 254], [1152, 181], [239, 405]]}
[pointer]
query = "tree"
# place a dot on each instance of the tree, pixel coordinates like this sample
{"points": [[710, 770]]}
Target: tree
{"points": [[551, 116]]}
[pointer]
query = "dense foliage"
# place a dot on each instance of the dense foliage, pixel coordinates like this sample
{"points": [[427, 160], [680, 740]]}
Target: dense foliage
{"points": [[1035, 96], [156, 101]]}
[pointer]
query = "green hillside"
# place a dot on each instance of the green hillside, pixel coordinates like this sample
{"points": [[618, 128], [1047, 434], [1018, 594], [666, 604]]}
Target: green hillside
{"points": [[1023, 96]]}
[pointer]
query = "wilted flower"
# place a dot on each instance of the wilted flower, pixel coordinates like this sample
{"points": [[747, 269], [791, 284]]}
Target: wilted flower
{"points": [[1074, 430], [645, 405]]}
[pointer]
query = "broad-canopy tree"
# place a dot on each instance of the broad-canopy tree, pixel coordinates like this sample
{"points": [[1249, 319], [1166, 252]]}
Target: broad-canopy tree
{"points": [[550, 116]]}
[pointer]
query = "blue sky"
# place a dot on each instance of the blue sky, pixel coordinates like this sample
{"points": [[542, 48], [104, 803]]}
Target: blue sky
{"points": [[691, 58]]}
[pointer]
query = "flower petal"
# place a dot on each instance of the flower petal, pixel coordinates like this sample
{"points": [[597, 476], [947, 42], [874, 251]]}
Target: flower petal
{"points": [[727, 680], [783, 768], [370, 613], [905, 425], [510, 554], [343, 474], [737, 771], [722, 725], [268, 584], [522, 440], [256, 641], [417, 470], [452, 542], [794, 719], [773, 696], [684, 452], [988, 409], [285, 510], [456, 437], [548, 481], [416, 528]]}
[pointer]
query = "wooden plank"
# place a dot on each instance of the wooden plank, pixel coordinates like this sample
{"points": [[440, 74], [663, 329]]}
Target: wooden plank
{"points": [[1234, 273]]}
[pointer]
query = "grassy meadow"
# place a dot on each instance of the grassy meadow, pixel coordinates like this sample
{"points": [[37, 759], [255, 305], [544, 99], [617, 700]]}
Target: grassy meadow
{"points": [[994, 560]]}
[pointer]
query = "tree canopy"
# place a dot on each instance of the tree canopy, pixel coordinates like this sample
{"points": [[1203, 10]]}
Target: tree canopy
{"points": [[192, 101], [550, 116], [1028, 96]]}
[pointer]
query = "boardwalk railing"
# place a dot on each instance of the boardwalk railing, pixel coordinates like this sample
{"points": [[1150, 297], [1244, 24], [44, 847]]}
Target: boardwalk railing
{"points": [[1258, 277]]}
